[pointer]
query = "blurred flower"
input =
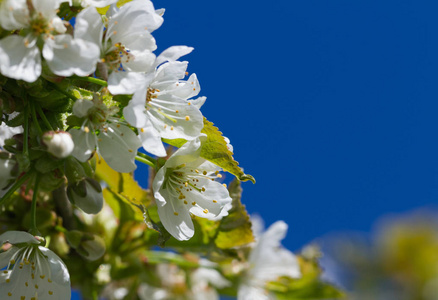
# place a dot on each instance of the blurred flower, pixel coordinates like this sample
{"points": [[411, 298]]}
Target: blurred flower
{"points": [[267, 261], [186, 185], [31, 271]]}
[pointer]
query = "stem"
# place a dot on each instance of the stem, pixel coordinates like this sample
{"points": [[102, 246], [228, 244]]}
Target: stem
{"points": [[34, 118], [43, 116], [26, 131], [152, 160], [54, 86], [16, 185], [92, 80], [145, 161], [33, 226]]}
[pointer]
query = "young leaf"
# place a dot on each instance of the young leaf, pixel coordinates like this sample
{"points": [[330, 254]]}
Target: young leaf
{"points": [[235, 229], [215, 150]]}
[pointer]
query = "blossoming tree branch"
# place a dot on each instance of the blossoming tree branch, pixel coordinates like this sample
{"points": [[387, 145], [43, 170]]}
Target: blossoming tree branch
{"points": [[84, 99]]}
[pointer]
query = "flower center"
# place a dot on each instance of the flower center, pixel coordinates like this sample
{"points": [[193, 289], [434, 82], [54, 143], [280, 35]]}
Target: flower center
{"points": [[117, 56], [40, 25]]}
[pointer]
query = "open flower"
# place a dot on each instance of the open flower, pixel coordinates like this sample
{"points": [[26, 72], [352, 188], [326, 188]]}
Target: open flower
{"points": [[7, 132], [20, 56], [186, 185], [114, 141], [30, 271], [125, 41], [161, 109], [268, 260]]}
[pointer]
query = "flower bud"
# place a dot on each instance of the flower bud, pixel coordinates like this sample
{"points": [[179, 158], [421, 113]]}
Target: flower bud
{"points": [[59, 143], [87, 195], [88, 245], [7, 165]]}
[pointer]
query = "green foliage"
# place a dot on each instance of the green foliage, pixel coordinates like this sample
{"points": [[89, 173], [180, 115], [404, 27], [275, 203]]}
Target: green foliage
{"points": [[215, 150]]}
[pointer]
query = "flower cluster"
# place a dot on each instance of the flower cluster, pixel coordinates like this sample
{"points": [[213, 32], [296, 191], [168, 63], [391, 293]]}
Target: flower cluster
{"points": [[84, 98]]}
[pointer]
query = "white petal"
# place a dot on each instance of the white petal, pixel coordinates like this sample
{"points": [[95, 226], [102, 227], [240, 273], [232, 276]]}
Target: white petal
{"points": [[179, 226], [151, 140], [247, 292], [188, 89], [187, 153], [81, 107], [141, 62], [89, 26], [172, 54], [135, 115], [198, 102], [46, 8], [181, 119], [16, 237], [15, 18], [204, 200], [67, 56], [168, 75], [125, 82], [17, 61], [137, 16], [99, 3], [85, 143], [269, 259], [118, 145], [60, 285]]}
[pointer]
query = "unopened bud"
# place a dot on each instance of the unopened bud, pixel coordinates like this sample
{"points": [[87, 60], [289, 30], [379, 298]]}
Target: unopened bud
{"points": [[7, 164], [87, 195], [59, 143]]}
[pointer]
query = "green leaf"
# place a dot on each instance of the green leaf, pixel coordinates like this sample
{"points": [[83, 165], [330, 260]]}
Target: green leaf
{"points": [[215, 150], [123, 184], [235, 229]]}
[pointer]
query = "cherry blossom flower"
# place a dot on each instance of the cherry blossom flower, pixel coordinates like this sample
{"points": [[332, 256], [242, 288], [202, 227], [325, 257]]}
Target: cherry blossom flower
{"points": [[186, 185], [267, 261], [30, 271], [20, 56], [161, 109], [114, 141], [125, 41]]}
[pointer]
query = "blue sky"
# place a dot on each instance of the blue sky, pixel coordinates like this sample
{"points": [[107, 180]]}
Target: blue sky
{"points": [[331, 105]]}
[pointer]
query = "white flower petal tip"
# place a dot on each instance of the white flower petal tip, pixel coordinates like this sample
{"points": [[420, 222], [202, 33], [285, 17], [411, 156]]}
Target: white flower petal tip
{"points": [[267, 261], [187, 185], [30, 271]]}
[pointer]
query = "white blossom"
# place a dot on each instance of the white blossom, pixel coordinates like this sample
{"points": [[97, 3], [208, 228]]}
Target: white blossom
{"points": [[186, 185], [125, 41], [114, 141], [20, 56], [161, 109], [267, 261], [31, 271]]}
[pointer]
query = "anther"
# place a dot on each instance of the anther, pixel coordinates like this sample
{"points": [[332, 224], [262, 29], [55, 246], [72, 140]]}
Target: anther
{"points": [[175, 213], [214, 201], [205, 211], [193, 203]]}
